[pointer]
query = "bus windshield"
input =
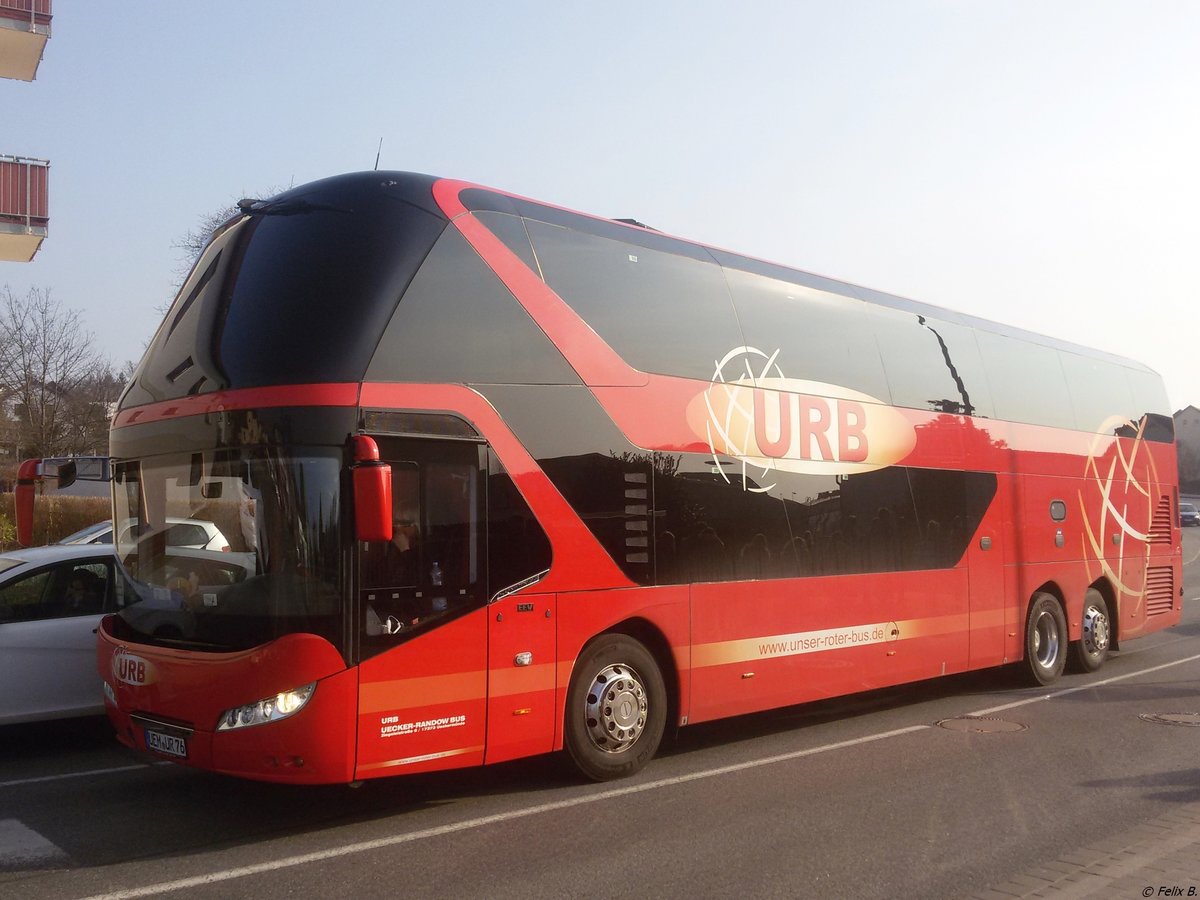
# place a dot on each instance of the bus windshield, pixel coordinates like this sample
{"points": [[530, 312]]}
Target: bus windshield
{"points": [[226, 550]]}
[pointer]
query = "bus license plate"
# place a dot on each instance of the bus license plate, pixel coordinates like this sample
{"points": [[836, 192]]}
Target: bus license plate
{"points": [[166, 743]]}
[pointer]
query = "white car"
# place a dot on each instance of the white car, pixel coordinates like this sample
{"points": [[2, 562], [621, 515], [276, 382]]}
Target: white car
{"points": [[51, 601], [197, 534]]}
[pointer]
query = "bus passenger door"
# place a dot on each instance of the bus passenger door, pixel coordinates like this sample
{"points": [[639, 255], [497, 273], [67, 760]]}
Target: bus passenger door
{"points": [[521, 625], [421, 629], [989, 617], [521, 676]]}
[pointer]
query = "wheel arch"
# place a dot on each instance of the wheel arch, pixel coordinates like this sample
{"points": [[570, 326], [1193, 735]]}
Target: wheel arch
{"points": [[1054, 590]]}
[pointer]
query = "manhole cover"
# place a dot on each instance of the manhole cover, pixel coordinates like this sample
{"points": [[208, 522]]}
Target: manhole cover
{"points": [[1172, 718], [980, 725]]}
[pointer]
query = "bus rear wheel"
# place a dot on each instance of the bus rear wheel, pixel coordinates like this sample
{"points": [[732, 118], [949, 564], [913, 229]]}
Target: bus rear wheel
{"points": [[616, 709], [1092, 647], [1045, 639]]}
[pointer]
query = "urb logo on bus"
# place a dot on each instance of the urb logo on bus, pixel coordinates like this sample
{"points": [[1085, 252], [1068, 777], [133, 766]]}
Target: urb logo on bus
{"points": [[754, 413], [132, 669]]}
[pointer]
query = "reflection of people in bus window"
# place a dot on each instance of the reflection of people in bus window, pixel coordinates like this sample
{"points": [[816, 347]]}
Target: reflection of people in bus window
{"points": [[247, 513], [188, 589], [394, 564], [404, 534], [402, 550]]}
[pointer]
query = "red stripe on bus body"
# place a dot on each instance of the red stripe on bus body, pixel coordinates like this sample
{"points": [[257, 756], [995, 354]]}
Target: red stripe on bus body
{"points": [[246, 398]]}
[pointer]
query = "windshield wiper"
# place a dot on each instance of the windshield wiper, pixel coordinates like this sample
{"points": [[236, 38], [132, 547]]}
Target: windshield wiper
{"points": [[292, 207]]}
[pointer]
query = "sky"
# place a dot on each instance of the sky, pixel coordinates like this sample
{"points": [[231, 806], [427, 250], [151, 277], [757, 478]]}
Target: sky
{"points": [[1034, 163]]}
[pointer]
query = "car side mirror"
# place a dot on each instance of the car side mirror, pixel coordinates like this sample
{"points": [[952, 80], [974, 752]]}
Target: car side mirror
{"points": [[372, 483]]}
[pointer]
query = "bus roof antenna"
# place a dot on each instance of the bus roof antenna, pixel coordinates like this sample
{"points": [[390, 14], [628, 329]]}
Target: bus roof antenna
{"points": [[377, 152]]}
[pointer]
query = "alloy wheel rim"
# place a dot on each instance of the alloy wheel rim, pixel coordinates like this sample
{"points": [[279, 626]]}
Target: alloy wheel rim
{"points": [[1095, 630], [1045, 640], [616, 708]]}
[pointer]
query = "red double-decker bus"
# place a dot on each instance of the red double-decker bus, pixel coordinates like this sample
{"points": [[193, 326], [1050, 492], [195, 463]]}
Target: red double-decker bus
{"points": [[500, 479]]}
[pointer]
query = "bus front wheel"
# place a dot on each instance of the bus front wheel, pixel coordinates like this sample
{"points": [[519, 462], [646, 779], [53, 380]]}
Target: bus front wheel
{"points": [[1045, 639], [616, 709], [1092, 647]]}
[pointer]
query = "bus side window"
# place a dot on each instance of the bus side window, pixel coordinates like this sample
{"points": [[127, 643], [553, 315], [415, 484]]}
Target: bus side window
{"points": [[517, 546]]}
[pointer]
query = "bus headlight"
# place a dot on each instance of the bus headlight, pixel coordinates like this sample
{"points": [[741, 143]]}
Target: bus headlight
{"points": [[272, 709]]}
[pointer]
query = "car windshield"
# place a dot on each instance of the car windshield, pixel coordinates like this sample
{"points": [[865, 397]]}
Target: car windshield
{"points": [[280, 574]]}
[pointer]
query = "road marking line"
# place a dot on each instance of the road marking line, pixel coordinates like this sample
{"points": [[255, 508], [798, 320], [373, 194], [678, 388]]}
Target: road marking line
{"points": [[1082, 687], [366, 846], [65, 775], [21, 846]]}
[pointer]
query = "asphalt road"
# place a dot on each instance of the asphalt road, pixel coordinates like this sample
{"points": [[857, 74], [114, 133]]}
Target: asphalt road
{"points": [[866, 796]]}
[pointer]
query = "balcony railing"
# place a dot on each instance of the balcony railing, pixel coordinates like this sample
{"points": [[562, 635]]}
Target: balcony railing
{"points": [[35, 12]]}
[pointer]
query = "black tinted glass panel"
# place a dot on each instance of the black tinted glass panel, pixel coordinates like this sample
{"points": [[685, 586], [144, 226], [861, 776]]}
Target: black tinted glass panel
{"points": [[511, 231], [180, 359], [1158, 427], [820, 336], [717, 527], [714, 525], [1026, 380], [604, 477], [859, 523], [315, 287], [931, 364], [661, 312], [459, 323], [434, 567], [1149, 393], [518, 549], [1100, 391]]}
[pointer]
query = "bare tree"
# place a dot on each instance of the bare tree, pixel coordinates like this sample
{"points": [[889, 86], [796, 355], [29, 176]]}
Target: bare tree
{"points": [[192, 244], [196, 239], [57, 388]]}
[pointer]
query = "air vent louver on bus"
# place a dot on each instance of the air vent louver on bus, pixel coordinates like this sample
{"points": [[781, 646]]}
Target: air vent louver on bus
{"points": [[1160, 526], [637, 517], [1160, 590]]}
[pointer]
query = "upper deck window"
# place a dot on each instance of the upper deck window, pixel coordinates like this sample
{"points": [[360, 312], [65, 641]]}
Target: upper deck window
{"points": [[459, 323], [661, 312], [315, 289]]}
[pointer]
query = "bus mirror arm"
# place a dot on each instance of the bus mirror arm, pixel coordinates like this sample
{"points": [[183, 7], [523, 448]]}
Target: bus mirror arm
{"points": [[372, 483], [63, 472]]}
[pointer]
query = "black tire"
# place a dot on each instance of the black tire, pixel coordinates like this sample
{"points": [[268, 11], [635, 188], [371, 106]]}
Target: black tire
{"points": [[616, 709], [1045, 639], [1090, 651]]}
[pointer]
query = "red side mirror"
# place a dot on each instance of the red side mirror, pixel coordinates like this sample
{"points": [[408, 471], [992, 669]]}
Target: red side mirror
{"points": [[372, 491], [27, 477]]}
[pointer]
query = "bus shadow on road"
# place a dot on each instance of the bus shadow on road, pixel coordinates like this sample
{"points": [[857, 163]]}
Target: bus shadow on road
{"points": [[755, 726], [46, 740]]}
